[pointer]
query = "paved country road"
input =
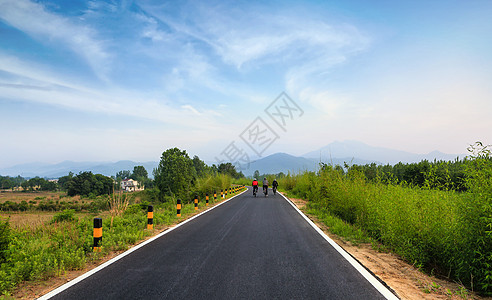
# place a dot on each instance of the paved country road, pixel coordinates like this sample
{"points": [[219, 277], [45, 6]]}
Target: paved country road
{"points": [[246, 248]]}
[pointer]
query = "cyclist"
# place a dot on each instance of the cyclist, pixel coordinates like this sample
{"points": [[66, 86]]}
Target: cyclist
{"points": [[274, 186], [255, 186], [265, 186]]}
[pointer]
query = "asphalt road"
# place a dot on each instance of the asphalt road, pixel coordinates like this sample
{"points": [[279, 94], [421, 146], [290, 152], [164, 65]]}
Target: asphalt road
{"points": [[247, 248]]}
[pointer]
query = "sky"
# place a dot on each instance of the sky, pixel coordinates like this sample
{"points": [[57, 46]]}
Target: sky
{"points": [[126, 80]]}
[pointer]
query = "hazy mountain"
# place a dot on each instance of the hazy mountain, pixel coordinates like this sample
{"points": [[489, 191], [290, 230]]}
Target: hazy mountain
{"points": [[336, 153], [280, 162], [63, 168], [361, 151]]}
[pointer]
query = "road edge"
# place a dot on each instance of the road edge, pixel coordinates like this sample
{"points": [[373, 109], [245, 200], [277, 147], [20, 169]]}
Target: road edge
{"points": [[127, 252], [376, 282]]}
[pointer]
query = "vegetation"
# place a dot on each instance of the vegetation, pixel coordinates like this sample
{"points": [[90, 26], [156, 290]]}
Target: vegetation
{"points": [[433, 223], [86, 183], [65, 241]]}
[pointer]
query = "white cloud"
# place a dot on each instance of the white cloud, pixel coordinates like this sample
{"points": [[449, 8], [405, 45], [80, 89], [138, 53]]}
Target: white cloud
{"points": [[33, 19]]}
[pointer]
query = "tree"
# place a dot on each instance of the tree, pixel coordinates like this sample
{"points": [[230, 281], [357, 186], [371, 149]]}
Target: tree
{"points": [[228, 168], [125, 174], [175, 174], [256, 174], [139, 173], [200, 167], [86, 183], [62, 181]]}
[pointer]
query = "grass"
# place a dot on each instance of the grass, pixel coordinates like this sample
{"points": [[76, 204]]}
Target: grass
{"points": [[439, 231], [45, 244]]}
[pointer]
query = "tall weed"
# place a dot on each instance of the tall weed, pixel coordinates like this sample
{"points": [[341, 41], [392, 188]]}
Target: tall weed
{"points": [[433, 227]]}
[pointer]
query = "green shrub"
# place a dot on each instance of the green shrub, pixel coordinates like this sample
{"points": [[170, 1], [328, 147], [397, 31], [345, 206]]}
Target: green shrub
{"points": [[4, 239], [433, 227], [68, 215]]}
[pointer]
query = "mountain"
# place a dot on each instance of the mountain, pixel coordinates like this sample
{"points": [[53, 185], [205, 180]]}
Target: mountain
{"points": [[280, 162], [63, 168], [364, 152], [336, 153]]}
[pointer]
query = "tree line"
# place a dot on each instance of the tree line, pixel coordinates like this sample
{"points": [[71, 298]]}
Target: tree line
{"points": [[175, 174]]}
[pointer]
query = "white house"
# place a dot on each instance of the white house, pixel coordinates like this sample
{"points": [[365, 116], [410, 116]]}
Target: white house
{"points": [[130, 185]]}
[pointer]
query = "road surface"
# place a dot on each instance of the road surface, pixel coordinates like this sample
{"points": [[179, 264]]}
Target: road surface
{"points": [[246, 248]]}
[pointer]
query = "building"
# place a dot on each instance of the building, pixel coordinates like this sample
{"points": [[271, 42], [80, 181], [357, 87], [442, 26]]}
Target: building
{"points": [[130, 185]]}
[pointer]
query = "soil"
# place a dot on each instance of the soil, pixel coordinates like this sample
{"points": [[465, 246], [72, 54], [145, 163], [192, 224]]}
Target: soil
{"points": [[404, 279]]}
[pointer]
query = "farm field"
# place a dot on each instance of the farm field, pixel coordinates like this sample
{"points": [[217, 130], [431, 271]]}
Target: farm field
{"points": [[52, 235]]}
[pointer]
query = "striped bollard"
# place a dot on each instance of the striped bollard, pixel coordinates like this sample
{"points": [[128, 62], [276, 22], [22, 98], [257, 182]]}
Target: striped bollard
{"points": [[206, 199], [196, 202], [150, 217], [98, 232], [178, 208], [215, 196], [222, 194], [225, 194]]}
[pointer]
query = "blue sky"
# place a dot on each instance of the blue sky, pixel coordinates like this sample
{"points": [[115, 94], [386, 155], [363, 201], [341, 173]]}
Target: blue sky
{"points": [[114, 80]]}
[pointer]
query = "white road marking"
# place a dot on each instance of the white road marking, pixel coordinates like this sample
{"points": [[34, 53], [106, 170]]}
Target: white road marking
{"points": [[368, 276], [109, 262]]}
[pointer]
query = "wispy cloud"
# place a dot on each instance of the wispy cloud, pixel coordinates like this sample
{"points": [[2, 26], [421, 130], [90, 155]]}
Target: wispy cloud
{"points": [[39, 23]]}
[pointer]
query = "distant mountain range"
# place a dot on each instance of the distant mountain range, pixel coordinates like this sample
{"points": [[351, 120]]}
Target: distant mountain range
{"points": [[336, 153], [61, 169]]}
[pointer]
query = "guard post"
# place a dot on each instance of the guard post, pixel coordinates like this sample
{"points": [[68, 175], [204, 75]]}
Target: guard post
{"points": [[150, 217], [98, 224], [196, 202], [206, 199], [178, 208]]}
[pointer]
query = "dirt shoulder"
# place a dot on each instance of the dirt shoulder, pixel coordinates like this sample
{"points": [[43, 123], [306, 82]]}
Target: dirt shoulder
{"points": [[406, 280]]}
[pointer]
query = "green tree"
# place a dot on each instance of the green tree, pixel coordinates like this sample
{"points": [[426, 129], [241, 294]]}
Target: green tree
{"points": [[201, 168], [175, 174], [256, 174], [62, 181], [139, 173], [86, 183], [125, 174], [229, 169]]}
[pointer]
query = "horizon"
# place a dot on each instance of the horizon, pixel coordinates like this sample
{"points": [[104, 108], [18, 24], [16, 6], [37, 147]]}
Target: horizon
{"points": [[210, 163], [91, 81]]}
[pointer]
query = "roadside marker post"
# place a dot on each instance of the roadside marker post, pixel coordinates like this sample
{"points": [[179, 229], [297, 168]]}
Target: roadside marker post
{"points": [[150, 217], [222, 194], [215, 196], [196, 202], [97, 234], [178, 208], [225, 193], [206, 199]]}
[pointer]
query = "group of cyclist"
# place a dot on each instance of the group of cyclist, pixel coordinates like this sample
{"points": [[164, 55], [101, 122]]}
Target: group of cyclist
{"points": [[265, 186]]}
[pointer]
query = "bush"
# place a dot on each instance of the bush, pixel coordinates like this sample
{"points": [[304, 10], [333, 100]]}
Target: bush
{"points": [[4, 240], [433, 227], [68, 215]]}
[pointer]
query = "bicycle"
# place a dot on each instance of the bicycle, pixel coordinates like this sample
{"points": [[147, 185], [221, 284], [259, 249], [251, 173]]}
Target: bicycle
{"points": [[274, 189], [255, 190], [265, 190]]}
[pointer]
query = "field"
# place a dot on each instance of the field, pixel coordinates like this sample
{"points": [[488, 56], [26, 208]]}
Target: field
{"points": [[38, 243]]}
